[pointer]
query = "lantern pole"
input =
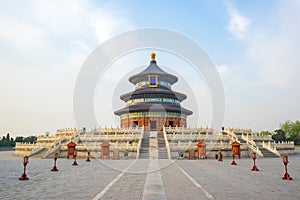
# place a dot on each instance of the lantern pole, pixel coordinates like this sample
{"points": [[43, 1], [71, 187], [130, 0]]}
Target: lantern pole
{"points": [[285, 161], [55, 156], [88, 158], [220, 155], [74, 156], [25, 162], [254, 168], [233, 161]]}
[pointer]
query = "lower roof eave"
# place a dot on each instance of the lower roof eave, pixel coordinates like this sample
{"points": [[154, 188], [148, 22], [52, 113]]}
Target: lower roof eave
{"points": [[126, 111]]}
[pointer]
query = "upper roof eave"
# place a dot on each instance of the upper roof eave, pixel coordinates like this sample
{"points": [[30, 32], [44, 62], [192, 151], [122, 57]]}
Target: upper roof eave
{"points": [[153, 69]]}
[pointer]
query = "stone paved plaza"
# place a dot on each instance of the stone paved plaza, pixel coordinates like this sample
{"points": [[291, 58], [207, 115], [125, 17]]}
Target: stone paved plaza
{"points": [[149, 179]]}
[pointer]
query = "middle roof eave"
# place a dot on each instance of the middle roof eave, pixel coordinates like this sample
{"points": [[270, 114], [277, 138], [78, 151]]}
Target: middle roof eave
{"points": [[148, 91], [146, 107]]}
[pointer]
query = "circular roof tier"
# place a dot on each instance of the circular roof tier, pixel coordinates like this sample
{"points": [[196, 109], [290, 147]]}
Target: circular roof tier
{"points": [[157, 107], [153, 93]]}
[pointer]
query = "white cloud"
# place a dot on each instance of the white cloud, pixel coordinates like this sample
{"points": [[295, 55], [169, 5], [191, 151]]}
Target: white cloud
{"points": [[275, 49], [20, 36], [238, 24], [53, 25], [223, 70], [269, 73], [105, 24], [42, 46]]}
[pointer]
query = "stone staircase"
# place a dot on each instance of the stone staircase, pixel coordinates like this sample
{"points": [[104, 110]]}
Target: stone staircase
{"points": [[144, 148], [242, 141], [56, 146], [38, 153], [259, 149], [51, 151], [162, 149], [267, 153]]}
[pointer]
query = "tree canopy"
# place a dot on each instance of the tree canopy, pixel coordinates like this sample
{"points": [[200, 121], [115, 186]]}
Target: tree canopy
{"points": [[7, 141], [288, 131], [291, 130], [279, 135], [265, 133]]}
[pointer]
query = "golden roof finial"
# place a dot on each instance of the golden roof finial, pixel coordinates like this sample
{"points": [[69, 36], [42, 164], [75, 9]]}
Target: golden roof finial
{"points": [[153, 56]]}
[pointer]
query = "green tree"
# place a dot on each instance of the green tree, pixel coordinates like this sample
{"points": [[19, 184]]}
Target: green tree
{"points": [[291, 130], [30, 139], [3, 141], [7, 140], [265, 133], [19, 139], [12, 142], [279, 135]]}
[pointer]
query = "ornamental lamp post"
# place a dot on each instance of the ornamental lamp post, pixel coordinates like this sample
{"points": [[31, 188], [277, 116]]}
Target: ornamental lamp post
{"points": [[285, 161], [25, 162], [233, 161], [254, 168], [55, 156], [74, 157], [88, 158], [220, 155]]}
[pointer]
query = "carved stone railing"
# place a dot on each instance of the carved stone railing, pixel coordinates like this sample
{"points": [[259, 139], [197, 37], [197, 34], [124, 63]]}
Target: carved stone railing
{"points": [[186, 130], [199, 137], [129, 135], [252, 145], [111, 130], [56, 146], [37, 150], [121, 138], [75, 137], [231, 134], [167, 142], [51, 151], [240, 130], [268, 146], [42, 138], [139, 144], [261, 137]]}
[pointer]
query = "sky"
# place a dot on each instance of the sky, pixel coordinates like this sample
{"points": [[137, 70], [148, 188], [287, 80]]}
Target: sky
{"points": [[254, 45]]}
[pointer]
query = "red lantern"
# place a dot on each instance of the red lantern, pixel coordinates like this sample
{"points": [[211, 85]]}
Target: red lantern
{"points": [[236, 149], [201, 148], [71, 146]]}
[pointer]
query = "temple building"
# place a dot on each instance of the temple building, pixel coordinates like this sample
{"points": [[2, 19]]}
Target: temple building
{"points": [[153, 104]]}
